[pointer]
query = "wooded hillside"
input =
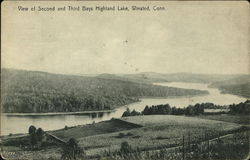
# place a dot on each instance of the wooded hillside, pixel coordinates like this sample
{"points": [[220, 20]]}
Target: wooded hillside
{"points": [[238, 86], [32, 91]]}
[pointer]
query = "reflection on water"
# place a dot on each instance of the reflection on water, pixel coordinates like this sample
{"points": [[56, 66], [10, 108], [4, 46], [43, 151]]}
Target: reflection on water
{"points": [[20, 124]]}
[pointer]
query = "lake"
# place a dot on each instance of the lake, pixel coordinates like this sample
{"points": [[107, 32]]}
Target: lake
{"points": [[20, 124]]}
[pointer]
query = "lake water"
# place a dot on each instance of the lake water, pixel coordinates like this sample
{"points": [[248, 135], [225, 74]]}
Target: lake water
{"points": [[20, 124]]}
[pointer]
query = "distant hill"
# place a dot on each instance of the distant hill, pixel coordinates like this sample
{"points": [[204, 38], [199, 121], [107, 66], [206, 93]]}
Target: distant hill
{"points": [[32, 91], [238, 86], [234, 84], [137, 78], [152, 77], [186, 77]]}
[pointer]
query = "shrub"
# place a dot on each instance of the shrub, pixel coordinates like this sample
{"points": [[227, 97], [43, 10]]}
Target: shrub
{"points": [[125, 148], [121, 135], [129, 134], [71, 150], [66, 127]]}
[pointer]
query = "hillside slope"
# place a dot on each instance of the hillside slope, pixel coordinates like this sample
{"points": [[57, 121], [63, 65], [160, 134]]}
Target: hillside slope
{"points": [[238, 86], [32, 91], [137, 78]]}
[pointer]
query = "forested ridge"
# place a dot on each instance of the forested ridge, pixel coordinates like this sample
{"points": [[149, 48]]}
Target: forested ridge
{"points": [[33, 91], [154, 77], [238, 86]]}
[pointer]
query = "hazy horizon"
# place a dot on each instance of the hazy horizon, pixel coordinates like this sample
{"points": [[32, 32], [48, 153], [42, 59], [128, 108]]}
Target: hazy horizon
{"points": [[85, 74], [189, 37]]}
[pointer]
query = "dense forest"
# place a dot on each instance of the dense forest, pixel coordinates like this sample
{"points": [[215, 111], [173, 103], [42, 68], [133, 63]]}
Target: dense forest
{"points": [[238, 86], [197, 109], [33, 91], [137, 78]]}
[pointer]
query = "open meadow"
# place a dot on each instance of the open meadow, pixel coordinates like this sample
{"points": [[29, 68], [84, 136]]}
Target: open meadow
{"points": [[158, 131], [144, 133], [240, 119]]}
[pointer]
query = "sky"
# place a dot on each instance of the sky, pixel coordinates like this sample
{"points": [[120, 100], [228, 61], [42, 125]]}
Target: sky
{"points": [[193, 37]]}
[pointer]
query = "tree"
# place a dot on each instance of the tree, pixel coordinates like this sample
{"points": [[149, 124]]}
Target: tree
{"points": [[39, 134], [32, 129], [36, 136], [126, 113], [146, 110], [71, 150], [33, 140], [33, 136], [241, 108], [190, 110], [135, 113]]}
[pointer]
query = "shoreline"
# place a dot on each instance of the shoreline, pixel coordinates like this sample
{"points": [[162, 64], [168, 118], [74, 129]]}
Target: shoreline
{"points": [[58, 113], [100, 111], [170, 97]]}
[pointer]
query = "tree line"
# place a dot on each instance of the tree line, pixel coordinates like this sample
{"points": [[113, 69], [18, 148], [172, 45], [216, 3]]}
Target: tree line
{"points": [[197, 109], [241, 108]]}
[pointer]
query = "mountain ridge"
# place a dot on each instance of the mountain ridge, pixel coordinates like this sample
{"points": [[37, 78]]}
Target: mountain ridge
{"points": [[31, 91]]}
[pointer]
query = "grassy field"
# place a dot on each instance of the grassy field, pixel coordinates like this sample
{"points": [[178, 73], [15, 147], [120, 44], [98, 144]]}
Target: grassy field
{"points": [[229, 147], [158, 131], [114, 125], [12, 152], [155, 120], [110, 126], [146, 132], [240, 119]]}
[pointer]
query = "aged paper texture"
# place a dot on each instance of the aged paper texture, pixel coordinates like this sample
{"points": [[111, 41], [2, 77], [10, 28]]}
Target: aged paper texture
{"points": [[117, 80]]}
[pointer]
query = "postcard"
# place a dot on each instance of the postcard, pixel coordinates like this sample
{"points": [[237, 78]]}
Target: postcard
{"points": [[125, 80]]}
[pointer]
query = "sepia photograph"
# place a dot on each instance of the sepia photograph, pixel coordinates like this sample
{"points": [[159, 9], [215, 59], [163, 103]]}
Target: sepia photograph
{"points": [[125, 80]]}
